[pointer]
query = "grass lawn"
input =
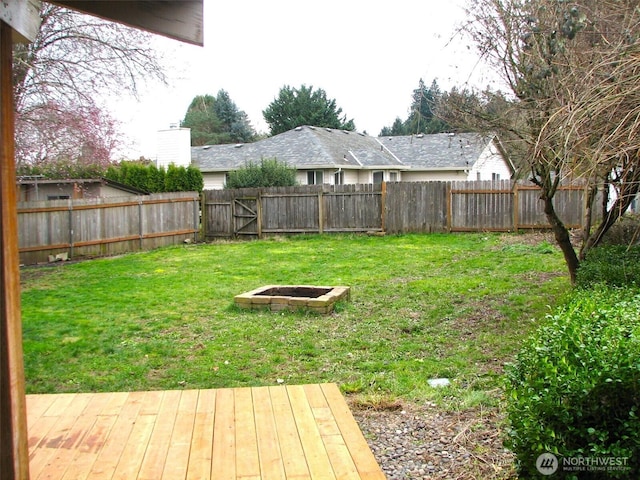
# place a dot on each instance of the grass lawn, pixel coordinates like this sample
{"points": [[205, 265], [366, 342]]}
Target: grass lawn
{"points": [[422, 306]]}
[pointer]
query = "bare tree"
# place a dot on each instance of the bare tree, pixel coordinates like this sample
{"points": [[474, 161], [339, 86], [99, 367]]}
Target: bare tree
{"points": [[74, 59], [572, 68], [60, 142]]}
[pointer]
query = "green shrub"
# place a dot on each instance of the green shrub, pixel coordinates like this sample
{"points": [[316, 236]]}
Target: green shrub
{"points": [[267, 173], [574, 390], [614, 265], [148, 177]]}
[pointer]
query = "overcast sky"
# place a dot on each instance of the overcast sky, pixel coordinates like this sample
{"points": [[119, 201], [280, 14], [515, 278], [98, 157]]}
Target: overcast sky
{"points": [[368, 56]]}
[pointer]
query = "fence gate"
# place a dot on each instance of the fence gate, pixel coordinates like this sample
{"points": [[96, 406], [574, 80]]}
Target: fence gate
{"points": [[245, 216]]}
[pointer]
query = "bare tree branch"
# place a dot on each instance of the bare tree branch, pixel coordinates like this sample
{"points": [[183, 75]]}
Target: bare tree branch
{"points": [[74, 60], [574, 69]]}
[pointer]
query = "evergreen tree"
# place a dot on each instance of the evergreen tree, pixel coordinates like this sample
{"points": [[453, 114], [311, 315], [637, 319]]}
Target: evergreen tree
{"points": [[137, 176], [422, 117], [152, 179], [201, 118], [194, 179], [303, 106], [155, 179], [176, 180], [396, 129], [217, 120], [235, 123]]}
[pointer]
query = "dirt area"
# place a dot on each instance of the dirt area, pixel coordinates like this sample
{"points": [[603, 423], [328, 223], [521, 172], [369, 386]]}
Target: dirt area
{"points": [[535, 237]]}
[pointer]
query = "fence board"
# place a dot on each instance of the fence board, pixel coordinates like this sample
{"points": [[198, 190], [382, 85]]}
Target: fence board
{"points": [[481, 206], [352, 209], [399, 207], [289, 212], [105, 226], [568, 202], [413, 207]]}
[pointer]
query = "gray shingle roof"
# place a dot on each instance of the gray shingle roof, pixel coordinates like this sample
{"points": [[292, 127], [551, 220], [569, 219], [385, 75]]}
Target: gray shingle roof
{"points": [[438, 150], [316, 147]]}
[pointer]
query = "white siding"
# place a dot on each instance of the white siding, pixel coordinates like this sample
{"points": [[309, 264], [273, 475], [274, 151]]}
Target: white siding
{"points": [[107, 191], [366, 176], [213, 180], [301, 177], [174, 146], [434, 176], [351, 176], [490, 164]]}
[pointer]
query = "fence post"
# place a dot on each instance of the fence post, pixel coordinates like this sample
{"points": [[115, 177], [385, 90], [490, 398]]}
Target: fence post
{"points": [[203, 216], [140, 223], [197, 209], [259, 213], [320, 213], [70, 228], [449, 207], [383, 202], [516, 207]]}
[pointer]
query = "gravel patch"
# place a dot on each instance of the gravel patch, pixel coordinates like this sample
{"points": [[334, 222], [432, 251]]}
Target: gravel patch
{"points": [[426, 442]]}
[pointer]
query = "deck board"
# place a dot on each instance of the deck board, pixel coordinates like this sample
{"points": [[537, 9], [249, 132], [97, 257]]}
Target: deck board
{"points": [[281, 433], [199, 467], [360, 452], [271, 464], [293, 459]]}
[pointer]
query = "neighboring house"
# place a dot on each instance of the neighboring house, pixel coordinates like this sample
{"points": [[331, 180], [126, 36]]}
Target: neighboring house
{"points": [[33, 189], [450, 157], [327, 155]]}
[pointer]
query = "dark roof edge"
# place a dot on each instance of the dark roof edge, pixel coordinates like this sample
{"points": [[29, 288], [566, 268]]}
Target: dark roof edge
{"points": [[30, 180], [122, 186]]}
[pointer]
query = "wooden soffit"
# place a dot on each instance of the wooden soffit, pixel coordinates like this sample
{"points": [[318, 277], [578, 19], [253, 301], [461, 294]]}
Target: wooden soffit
{"points": [[180, 20], [23, 17]]}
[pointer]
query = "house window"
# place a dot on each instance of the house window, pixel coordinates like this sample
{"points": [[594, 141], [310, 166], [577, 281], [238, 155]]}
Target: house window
{"points": [[314, 177], [338, 178], [378, 177], [393, 176], [478, 176], [495, 177]]}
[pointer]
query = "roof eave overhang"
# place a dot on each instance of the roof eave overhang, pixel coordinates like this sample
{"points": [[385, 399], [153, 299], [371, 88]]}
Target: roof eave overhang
{"points": [[318, 167], [441, 169], [180, 20]]}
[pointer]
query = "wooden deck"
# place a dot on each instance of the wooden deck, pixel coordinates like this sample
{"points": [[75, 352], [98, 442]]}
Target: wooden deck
{"points": [[283, 432]]}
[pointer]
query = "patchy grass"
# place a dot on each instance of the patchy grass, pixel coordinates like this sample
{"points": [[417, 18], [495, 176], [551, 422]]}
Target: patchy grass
{"points": [[422, 306]]}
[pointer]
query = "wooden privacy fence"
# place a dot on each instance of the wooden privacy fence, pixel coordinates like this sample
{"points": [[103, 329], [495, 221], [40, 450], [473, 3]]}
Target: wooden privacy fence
{"points": [[105, 226], [397, 207], [283, 210]]}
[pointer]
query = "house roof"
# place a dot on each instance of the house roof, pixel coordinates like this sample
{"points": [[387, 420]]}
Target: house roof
{"points": [[303, 147], [308, 147], [32, 180], [438, 151]]}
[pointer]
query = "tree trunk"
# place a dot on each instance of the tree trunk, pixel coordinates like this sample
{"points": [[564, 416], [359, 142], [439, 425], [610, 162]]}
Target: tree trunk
{"points": [[628, 191], [562, 238]]}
